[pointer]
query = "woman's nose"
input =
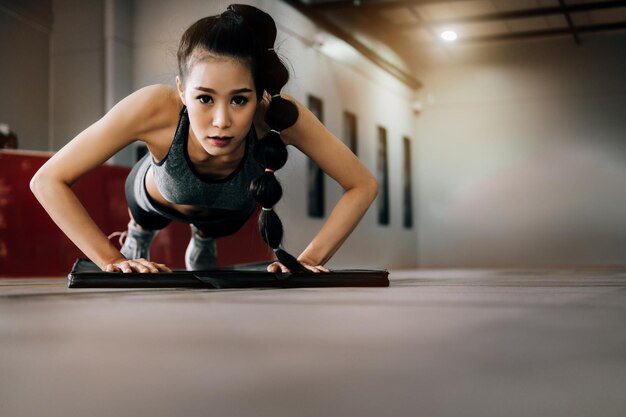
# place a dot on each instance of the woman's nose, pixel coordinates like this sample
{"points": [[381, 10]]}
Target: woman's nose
{"points": [[221, 117]]}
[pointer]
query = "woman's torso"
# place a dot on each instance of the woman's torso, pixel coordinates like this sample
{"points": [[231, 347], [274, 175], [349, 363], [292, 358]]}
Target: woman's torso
{"points": [[161, 140]]}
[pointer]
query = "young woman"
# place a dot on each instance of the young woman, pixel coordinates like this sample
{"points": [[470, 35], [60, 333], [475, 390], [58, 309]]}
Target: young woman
{"points": [[214, 143]]}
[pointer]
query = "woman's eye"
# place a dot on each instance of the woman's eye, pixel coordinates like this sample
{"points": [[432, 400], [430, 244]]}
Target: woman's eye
{"points": [[239, 100], [205, 99]]}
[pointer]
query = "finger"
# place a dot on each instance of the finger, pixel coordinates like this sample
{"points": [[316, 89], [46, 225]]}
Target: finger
{"points": [[153, 267], [278, 267], [139, 267], [163, 268], [315, 268], [273, 267], [111, 268], [150, 265], [143, 265], [125, 267], [311, 268]]}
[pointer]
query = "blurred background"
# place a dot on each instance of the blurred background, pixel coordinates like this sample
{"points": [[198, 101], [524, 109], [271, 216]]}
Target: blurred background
{"points": [[504, 147]]}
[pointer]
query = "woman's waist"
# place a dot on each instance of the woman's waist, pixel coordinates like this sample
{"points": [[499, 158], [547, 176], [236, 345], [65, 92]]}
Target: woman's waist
{"points": [[202, 207], [202, 212]]}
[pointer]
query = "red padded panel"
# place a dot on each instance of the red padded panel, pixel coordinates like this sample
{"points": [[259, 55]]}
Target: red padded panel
{"points": [[32, 245]]}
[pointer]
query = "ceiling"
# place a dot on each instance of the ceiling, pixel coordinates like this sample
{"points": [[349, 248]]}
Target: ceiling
{"points": [[407, 26]]}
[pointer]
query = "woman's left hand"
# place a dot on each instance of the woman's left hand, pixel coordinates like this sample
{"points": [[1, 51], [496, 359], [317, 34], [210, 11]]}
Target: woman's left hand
{"points": [[278, 267]]}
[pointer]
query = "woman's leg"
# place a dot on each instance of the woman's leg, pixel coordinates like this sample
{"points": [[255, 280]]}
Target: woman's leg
{"points": [[138, 240], [143, 225], [201, 253]]}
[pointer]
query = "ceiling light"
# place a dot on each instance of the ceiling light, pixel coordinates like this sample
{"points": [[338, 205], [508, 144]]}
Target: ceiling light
{"points": [[448, 35]]}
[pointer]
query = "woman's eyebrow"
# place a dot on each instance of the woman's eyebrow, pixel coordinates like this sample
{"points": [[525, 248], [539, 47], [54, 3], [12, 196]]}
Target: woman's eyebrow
{"points": [[212, 91]]}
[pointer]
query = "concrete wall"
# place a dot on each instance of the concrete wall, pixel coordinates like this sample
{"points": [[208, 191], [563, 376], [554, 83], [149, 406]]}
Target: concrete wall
{"points": [[25, 29], [522, 154], [77, 68]]}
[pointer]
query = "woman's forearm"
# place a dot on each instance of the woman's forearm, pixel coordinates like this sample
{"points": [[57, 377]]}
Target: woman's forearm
{"points": [[69, 214], [349, 210]]}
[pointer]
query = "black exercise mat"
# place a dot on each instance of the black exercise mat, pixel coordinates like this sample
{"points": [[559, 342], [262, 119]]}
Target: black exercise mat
{"points": [[85, 274]]}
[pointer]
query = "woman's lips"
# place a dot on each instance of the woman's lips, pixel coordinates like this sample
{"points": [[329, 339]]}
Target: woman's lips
{"points": [[220, 141]]}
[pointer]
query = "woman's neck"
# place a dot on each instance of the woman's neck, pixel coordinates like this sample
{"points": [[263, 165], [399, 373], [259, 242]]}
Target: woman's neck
{"points": [[215, 166]]}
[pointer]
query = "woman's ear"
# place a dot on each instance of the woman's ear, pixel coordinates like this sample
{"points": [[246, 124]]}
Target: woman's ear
{"points": [[181, 90]]}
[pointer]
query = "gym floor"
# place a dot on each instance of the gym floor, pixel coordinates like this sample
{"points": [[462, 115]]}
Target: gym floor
{"points": [[435, 343]]}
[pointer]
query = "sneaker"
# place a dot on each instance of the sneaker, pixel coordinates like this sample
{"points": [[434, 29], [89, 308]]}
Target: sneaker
{"points": [[201, 253], [137, 242]]}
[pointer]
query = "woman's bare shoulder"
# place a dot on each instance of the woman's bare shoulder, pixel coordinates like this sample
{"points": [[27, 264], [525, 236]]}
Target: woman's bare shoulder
{"points": [[156, 107]]}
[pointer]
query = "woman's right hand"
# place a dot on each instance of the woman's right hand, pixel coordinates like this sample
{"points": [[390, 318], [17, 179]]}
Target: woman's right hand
{"points": [[136, 265]]}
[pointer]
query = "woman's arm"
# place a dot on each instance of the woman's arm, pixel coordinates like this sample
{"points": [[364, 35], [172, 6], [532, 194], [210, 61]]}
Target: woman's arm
{"points": [[138, 116], [310, 136]]}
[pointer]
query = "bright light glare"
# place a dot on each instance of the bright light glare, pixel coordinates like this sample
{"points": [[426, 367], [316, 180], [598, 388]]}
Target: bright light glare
{"points": [[448, 35]]}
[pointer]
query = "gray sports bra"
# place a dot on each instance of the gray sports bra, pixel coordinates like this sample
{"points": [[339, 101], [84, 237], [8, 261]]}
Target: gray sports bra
{"points": [[179, 183]]}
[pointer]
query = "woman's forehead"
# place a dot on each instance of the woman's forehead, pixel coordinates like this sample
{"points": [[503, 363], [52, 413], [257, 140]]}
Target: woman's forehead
{"points": [[201, 55], [220, 70]]}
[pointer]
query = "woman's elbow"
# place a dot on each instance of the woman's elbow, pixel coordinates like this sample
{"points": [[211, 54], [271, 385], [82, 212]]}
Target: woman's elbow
{"points": [[35, 183], [371, 188], [39, 183]]}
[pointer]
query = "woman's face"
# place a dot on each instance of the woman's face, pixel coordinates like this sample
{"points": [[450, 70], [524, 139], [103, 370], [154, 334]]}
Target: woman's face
{"points": [[221, 101]]}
